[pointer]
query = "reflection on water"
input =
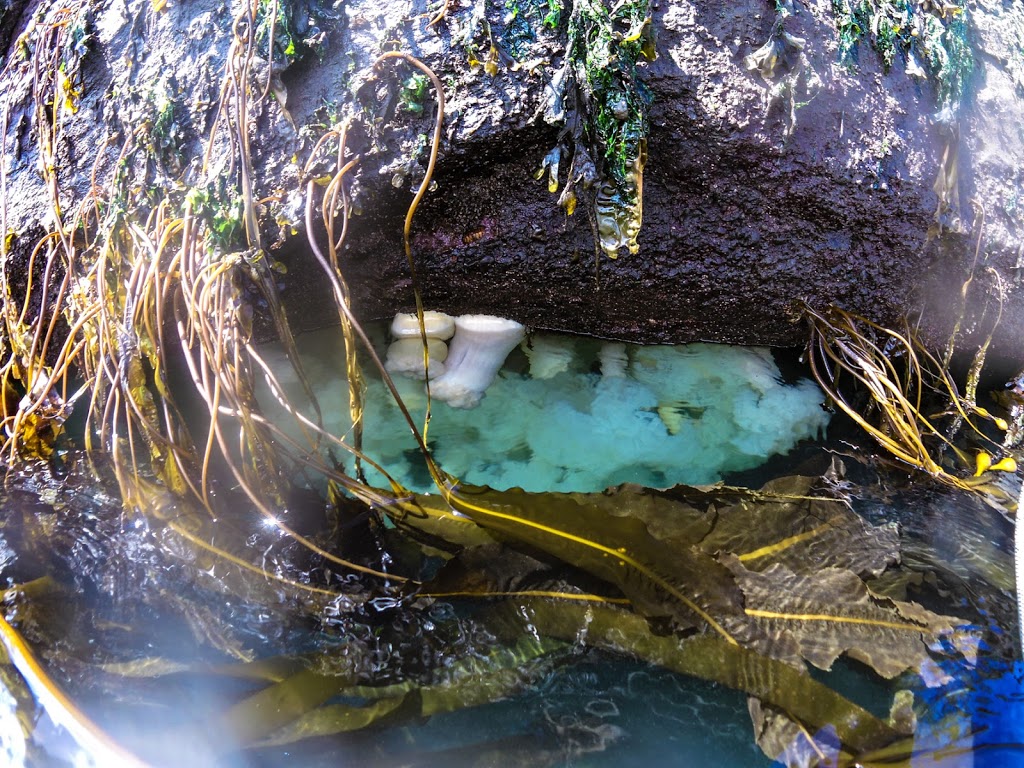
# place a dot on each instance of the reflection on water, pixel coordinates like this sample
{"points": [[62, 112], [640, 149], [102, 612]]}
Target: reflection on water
{"points": [[965, 549], [149, 639]]}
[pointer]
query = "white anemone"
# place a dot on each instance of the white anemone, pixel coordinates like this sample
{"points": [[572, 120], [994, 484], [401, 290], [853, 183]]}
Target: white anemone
{"points": [[478, 350]]}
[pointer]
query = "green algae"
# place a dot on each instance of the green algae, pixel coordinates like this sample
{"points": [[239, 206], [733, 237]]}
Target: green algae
{"points": [[606, 45], [599, 100], [931, 38]]}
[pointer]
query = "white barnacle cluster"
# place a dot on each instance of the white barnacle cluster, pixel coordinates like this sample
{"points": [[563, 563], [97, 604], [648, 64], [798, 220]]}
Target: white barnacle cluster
{"points": [[459, 373]]}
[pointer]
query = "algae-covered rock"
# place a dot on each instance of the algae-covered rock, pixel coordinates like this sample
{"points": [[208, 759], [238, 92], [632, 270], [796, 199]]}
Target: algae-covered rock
{"points": [[795, 151]]}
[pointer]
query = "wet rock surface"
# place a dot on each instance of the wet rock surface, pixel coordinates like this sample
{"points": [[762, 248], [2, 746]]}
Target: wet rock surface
{"points": [[814, 185]]}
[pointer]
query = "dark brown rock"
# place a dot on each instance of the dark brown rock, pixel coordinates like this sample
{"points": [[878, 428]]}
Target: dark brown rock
{"points": [[747, 213]]}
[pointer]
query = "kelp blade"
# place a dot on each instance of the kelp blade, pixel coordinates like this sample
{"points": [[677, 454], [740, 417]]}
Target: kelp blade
{"points": [[710, 658], [687, 585]]}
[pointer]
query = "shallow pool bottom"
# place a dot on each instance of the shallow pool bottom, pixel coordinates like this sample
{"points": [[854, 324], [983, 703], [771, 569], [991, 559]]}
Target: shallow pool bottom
{"points": [[669, 415]]}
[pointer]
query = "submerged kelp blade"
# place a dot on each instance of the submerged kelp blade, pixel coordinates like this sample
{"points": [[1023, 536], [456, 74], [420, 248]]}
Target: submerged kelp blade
{"points": [[950, 742], [432, 519], [596, 623], [231, 548], [273, 670], [62, 711], [800, 605], [830, 612], [468, 683], [804, 534], [793, 520], [278, 705], [660, 548], [710, 658], [334, 719], [969, 541], [470, 677], [683, 584], [789, 743]]}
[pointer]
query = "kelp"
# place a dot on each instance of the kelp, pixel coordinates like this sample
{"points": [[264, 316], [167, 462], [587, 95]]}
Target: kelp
{"points": [[816, 611], [34, 409], [710, 658], [806, 521], [138, 309], [689, 585], [595, 622], [156, 283], [844, 345], [692, 581], [467, 683], [744, 535], [20, 709], [880, 353], [601, 102], [831, 612]]}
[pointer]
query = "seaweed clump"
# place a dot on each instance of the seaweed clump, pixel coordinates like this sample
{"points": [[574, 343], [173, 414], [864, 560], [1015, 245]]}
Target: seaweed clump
{"points": [[604, 104], [782, 65], [903, 381], [932, 39]]}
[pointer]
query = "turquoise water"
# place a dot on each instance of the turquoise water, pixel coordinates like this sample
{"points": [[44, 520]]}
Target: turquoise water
{"points": [[672, 415]]}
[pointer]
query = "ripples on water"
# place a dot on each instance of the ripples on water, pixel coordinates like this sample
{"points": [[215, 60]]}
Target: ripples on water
{"points": [[116, 594]]}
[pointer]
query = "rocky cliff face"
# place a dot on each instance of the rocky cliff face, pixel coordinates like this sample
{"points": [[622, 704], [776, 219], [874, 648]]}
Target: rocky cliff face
{"points": [[791, 157]]}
